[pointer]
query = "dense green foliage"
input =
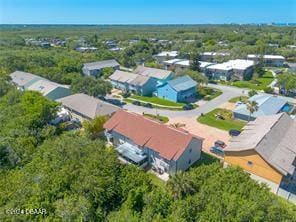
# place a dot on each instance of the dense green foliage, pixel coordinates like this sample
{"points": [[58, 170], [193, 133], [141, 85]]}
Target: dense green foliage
{"points": [[91, 86], [287, 81], [23, 119]]}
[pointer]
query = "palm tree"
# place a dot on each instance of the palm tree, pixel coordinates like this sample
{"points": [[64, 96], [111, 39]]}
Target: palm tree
{"points": [[180, 185], [252, 106]]}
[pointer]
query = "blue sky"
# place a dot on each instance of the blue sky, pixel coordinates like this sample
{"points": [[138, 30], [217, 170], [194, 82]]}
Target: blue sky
{"points": [[146, 12]]}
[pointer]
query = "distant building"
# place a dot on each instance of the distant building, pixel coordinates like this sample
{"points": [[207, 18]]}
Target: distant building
{"points": [[233, 69], [111, 44], [82, 106], [269, 60], [291, 46], [95, 68], [163, 56], [135, 83], [267, 105], [212, 56], [204, 65], [149, 143], [266, 149], [178, 65], [161, 75], [86, 49], [182, 89], [28, 81]]}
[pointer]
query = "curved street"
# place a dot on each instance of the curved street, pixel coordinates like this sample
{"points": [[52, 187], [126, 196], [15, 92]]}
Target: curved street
{"points": [[189, 118], [228, 93]]}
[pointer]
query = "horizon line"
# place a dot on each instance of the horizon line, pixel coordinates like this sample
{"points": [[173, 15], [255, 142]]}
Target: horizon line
{"points": [[130, 24]]}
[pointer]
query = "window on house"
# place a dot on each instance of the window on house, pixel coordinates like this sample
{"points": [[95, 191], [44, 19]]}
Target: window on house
{"points": [[189, 162], [190, 150], [250, 163]]}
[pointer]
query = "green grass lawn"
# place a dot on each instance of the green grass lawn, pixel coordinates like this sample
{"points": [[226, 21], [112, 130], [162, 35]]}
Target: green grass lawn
{"points": [[207, 93], [174, 108], [157, 100], [162, 119], [239, 98], [228, 123], [257, 84]]}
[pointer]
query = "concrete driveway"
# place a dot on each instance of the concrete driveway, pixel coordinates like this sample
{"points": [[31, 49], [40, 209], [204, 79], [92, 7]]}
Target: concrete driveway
{"points": [[210, 134], [189, 118]]}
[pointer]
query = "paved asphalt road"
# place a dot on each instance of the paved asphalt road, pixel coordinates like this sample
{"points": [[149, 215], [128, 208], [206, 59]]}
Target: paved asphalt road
{"points": [[228, 93]]}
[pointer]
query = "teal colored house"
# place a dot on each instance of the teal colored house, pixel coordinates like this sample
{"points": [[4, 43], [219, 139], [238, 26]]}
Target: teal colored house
{"points": [[181, 89]]}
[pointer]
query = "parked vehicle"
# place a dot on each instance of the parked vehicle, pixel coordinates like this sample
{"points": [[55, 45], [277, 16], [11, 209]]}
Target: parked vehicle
{"points": [[137, 103], [126, 94], [148, 105], [217, 150], [220, 143], [188, 107], [102, 98], [115, 102], [234, 132]]}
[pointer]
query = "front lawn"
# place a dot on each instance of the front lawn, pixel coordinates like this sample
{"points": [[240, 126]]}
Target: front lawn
{"points": [[157, 101], [207, 93], [239, 99], [256, 84], [228, 123], [162, 119], [173, 108]]}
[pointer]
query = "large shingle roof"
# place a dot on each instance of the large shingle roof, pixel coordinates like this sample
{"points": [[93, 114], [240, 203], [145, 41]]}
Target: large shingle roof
{"points": [[273, 138], [87, 105], [182, 83], [152, 72], [45, 86], [101, 64], [128, 77], [169, 142], [24, 79], [267, 105]]}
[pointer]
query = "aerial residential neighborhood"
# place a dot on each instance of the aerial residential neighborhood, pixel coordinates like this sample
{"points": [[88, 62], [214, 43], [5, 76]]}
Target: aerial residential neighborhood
{"points": [[148, 111]]}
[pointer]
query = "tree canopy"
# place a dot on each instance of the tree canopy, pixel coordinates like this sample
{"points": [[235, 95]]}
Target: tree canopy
{"points": [[91, 86]]}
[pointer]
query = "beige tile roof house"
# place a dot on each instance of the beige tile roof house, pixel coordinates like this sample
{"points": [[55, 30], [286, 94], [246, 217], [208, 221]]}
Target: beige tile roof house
{"points": [[266, 148], [152, 72], [87, 106]]}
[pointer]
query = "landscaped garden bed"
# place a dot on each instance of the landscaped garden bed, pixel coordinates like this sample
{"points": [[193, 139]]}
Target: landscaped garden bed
{"points": [[243, 99], [221, 119], [207, 93], [162, 119]]}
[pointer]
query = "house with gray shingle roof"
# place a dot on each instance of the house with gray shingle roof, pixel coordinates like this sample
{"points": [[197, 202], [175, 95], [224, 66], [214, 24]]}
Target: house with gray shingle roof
{"points": [[95, 68], [266, 149], [267, 105], [161, 75], [82, 106], [131, 82], [181, 89], [28, 81]]}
